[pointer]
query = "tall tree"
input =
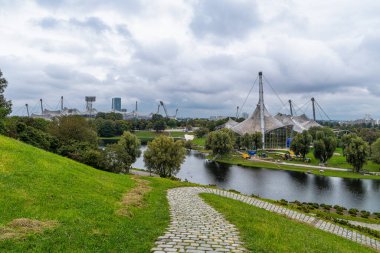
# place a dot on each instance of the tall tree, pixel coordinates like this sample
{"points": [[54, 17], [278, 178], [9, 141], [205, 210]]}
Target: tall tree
{"points": [[219, 142], [164, 156], [69, 129], [345, 140], [122, 155], [356, 153], [257, 140], [375, 154], [5, 106], [324, 145], [301, 143]]}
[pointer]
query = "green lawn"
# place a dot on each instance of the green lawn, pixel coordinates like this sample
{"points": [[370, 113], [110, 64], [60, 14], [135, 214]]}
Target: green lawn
{"points": [[39, 185], [238, 160], [339, 161], [199, 141], [263, 231], [147, 135]]}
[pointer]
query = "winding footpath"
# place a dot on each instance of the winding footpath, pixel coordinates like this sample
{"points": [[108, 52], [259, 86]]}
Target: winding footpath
{"points": [[197, 227]]}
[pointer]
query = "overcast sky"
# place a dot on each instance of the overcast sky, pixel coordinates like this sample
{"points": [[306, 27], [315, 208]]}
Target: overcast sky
{"points": [[201, 56]]}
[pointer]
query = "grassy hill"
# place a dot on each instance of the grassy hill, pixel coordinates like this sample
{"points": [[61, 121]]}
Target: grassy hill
{"points": [[50, 203], [83, 201]]}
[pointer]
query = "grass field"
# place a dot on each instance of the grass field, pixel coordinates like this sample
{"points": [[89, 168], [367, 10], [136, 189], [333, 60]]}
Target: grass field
{"points": [[83, 202], [199, 141], [339, 161], [147, 135], [263, 231], [238, 160]]}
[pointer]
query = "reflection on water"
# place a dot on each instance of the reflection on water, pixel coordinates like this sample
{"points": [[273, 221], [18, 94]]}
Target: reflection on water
{"points": [[363, 194]]}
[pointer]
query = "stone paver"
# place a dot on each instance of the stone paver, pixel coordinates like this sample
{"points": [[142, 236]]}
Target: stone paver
{"points": [[197, 227], [320, 224]]}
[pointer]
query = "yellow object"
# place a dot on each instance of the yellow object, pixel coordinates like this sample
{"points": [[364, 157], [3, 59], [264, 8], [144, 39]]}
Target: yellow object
{"points": [[245, 156]]}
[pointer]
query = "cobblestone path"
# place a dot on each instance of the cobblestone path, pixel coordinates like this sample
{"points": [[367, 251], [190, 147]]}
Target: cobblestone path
{"points": [[197, 227]]}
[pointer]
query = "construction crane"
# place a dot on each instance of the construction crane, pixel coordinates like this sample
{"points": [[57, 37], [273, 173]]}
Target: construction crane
{"points": [[163, 106], [166, 111]]}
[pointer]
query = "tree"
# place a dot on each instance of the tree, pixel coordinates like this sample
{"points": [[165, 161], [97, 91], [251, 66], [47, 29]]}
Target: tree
{"points": [[201, 132], [357, 153], [164, 156], [257, 139], [105, 128], [324, 145], [345, 140], [73, 128], [220, 142], [313, 131], [5, 106], [301, 143], [375, 154], [159, 125], [122, 155]]}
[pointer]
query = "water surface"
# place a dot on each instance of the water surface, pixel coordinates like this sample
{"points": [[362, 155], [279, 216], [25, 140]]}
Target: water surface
{"points": [[363, 194]]}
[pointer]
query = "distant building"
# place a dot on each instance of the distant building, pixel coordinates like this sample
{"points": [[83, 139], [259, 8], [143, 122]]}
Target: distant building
{"points": [[245, 115], [217, 117], [116, 104]]}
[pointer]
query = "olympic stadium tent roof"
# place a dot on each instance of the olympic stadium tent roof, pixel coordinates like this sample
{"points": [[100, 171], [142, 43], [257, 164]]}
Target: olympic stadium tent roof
{"points": [[299, 123], [229, 124], [252, 124]]}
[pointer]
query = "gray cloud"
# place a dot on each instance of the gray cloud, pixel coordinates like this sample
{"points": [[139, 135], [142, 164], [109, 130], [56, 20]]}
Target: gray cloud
{"points": [[198, 55], [224, 18], [92, 23]]}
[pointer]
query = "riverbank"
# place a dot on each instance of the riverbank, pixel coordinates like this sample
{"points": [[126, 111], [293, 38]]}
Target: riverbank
{"points": [[236, 159]]}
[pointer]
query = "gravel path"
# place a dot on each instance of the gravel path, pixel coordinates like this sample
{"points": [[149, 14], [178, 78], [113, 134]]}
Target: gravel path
{"points": [[197, 227]]}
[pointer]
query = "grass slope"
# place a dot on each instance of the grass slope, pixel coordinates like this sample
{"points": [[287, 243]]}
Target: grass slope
{"points": [[39, 185], [263, 231]]}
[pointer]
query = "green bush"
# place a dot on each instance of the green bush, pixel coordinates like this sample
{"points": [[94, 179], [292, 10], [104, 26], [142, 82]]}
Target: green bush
{"points": [[364, 214], [353, 211]]}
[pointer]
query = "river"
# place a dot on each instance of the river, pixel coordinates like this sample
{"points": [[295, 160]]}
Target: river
{"points": [[363, 194]]}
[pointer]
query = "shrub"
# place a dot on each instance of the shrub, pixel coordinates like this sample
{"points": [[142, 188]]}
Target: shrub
{"points": [[364, 214], [353, 211]]}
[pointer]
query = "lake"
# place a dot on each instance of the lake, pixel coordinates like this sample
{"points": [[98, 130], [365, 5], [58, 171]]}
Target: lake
{"points": [[363, 194]]}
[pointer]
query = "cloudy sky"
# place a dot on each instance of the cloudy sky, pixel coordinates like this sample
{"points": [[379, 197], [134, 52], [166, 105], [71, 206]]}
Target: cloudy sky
{"points": [[201, 56]]}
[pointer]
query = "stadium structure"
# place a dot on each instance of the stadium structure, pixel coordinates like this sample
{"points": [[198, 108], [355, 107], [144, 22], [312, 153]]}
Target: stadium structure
{"points": [[275, 130]]}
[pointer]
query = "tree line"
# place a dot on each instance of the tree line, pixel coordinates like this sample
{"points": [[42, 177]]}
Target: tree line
{"points": [[77, 138], [322, 140]]}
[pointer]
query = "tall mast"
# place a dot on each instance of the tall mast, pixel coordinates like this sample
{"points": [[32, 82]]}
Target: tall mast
{"points": [[42, 108], [312, 102], [261, 104], [61, 104], [27, 109], [291, 108]]}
